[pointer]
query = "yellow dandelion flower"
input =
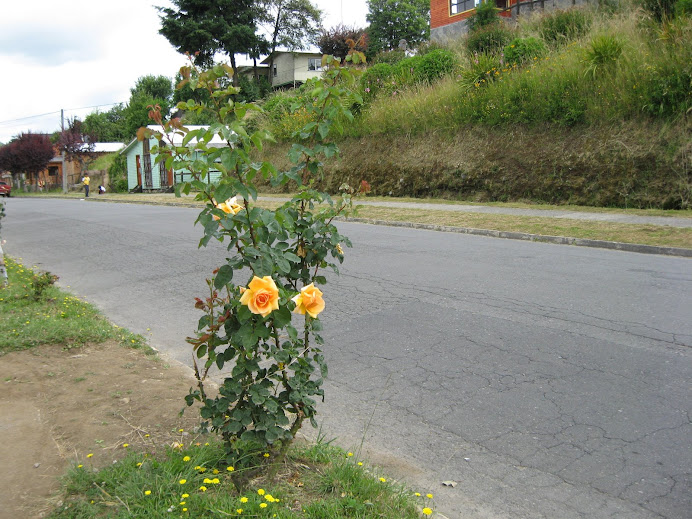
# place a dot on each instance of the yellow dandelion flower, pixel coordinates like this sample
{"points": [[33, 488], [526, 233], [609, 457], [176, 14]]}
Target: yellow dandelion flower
{"points": [[263, 505], [427, 511], [139, 464], [203, 488], [147, 492], [186, 458], [185, 496], [216, 481], [126, 445], [79, 466], [260, 491], [91, 454], [360, 463], [349, 454], [417, 494], [266, 454], [230, 469], [383, 480], [184, 509], [182, 481], [207, 481], [243, 499], [429, 496], [239, 511], [215, 471]]}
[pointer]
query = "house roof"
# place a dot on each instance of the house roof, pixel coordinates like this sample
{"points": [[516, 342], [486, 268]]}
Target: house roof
{"points": [[177, 138], [296, 53]]}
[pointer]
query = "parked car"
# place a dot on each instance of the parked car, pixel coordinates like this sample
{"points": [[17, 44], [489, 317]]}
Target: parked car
{"points": [[5, 189]]}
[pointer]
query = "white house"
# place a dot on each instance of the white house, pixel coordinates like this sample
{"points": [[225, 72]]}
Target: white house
{"points": [[291, 69]]}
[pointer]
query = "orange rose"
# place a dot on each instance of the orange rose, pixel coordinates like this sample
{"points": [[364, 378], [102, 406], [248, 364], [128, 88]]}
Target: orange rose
{"points": [[309, 300], [230, 206], [261, 296]]}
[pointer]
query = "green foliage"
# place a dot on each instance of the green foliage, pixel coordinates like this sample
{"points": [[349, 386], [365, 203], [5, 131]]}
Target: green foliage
{"points": [[390, 57], [660, 9], [117, 174], [521, 50], [489, 39], [434, 65], [277, 367], [375, 80], [559, 27], [485, 15], [482, 70], [107, 126], [602, 55], [683, 8], [148, 91], [252, 90], [392, 21]]}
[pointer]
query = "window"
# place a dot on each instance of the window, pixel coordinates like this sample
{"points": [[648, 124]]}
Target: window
{"points": [[314, 63], [459, 6], [274, 70]]}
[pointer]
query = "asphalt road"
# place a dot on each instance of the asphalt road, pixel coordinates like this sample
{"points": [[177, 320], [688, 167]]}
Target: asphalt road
{"points": [[548, 381]]}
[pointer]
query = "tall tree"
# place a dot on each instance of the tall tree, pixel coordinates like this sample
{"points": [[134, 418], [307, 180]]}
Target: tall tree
{"points": [[204, 28], [291, 24], [107, 126], [149, 90], [29, 153], [394, 20]]}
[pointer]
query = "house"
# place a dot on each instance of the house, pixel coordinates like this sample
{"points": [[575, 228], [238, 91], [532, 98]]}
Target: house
{"points": [[144, 174], [291, 69], [449, 18]]}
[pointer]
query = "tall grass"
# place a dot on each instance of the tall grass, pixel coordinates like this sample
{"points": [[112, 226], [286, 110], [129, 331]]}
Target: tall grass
{"points": [[625, 66]]}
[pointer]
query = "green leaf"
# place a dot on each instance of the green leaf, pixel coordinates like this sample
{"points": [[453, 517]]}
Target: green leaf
{"points": [[223, 276], [281, 317]]}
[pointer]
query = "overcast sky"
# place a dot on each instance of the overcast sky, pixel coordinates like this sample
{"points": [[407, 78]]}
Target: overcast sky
{"points": [[78, 54]]}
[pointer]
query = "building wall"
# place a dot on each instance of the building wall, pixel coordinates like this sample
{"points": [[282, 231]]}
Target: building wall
{"points": [[292, 67]]}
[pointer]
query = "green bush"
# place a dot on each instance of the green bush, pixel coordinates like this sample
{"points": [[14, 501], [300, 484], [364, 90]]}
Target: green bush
{"points": [[683, 8], [481, 71], [390, 56], [560, 27], [434, 65], [405, 70], [117, 174], [659, 9], [486, 15], [521, 50], [490, 39], [375, 80]]}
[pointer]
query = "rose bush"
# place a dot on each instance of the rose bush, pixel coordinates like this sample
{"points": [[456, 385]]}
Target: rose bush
{"points": [[276, 366]]}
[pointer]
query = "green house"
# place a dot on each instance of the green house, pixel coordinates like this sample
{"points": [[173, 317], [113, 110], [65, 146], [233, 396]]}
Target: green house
{"points": [[144, 174]]}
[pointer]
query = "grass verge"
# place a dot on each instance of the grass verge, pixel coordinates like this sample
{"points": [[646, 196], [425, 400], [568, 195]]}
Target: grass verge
{"points": [[34, 311], [318, 481]]}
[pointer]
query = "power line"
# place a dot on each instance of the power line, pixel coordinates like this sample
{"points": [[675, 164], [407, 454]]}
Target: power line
{"points": [[55, 112]]}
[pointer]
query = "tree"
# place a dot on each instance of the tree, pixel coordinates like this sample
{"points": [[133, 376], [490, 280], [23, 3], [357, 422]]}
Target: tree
{"points": [[77, 144], [394, 20], [203, 28], [148, 91], [107, 126], [336, 41], [292, 24], [29, 153]]}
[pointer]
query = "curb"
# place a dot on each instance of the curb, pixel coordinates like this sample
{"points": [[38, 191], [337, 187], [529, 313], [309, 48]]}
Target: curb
{"points": [[511, 235]]}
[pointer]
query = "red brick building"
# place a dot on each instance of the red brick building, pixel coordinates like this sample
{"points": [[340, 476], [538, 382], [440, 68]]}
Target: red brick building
{"points": [[447, 17]]}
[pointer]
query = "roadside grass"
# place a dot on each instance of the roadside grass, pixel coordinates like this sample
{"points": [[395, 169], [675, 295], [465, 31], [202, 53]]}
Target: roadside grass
{"points": [[626, 233], [317, 481], [34, 311]]}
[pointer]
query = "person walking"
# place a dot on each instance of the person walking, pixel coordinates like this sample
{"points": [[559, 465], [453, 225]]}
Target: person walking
{"points": [[86, 181]]}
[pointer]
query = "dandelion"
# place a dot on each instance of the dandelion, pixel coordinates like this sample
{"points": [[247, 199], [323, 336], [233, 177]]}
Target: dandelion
{"points": [[243, 499], [186, 458], [91, 454], [207, 481], [349, 454], [184, 509], [147, 492], [263, 505], [203, 488], [79, 466], [185, 496], [180, 430], [182, 481], [417, 494], [427, 511], [126, 445], [429, 496], [266, 454], [383, 480], [230, 469], [239, 511], [260, 491], [216, 481], [215, 471], [360, 463]]}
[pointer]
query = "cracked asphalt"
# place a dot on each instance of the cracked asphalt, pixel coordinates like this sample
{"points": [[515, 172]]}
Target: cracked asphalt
{"points": [[547, 381]]}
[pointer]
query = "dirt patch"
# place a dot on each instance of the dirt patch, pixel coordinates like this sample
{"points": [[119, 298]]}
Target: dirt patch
{"points": [[57, 406]]}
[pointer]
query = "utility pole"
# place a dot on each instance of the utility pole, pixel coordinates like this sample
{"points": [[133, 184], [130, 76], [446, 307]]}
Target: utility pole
{"points": [[64, 173]]}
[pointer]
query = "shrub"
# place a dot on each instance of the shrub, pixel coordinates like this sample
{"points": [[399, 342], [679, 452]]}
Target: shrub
{"points": [[390, 56], [659, 9], [117, 174], [683, 8], [486, 15], [521, 50], [603, 54], [491, 39], [405, 70], [481, 71], [434, 65], [375, 80], [560, 26]]}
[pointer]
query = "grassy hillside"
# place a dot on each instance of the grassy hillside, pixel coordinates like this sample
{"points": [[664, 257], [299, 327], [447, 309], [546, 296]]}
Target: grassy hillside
{"points": [[588, 106]]}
